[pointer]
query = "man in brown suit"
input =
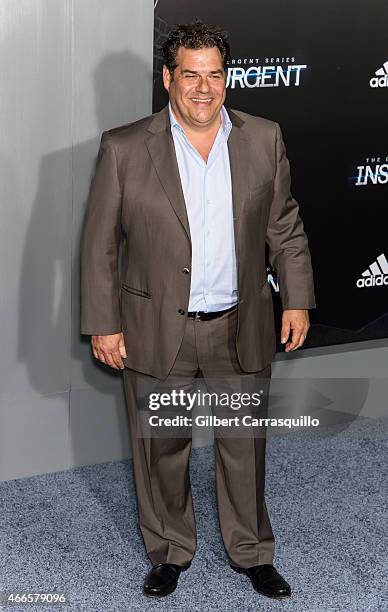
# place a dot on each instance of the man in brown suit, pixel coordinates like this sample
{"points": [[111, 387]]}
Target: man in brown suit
{"points": [[195, 191]]}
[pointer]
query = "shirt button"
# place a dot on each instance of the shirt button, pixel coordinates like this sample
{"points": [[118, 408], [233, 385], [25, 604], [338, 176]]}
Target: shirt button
{"points": [[186, 271], [181, 311]]}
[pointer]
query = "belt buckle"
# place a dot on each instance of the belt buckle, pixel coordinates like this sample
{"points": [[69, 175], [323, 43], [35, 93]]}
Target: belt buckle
{"points": [[197, 316]]}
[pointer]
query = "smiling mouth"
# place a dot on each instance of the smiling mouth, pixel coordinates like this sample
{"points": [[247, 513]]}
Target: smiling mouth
{"points": [[202, 100]]}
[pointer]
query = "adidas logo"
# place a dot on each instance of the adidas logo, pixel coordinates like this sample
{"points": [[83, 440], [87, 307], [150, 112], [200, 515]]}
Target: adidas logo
{"points": [[376, 274], [381, 78]]}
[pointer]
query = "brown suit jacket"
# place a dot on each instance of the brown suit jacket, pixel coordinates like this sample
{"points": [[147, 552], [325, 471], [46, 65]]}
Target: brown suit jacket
{"points": [[136, 195]]}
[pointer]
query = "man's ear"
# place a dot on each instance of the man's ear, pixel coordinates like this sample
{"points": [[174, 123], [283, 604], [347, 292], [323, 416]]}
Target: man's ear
{"points": [[166, 77]]}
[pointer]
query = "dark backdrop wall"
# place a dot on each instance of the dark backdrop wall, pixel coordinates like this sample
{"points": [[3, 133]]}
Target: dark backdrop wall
{"points": [[321, 71]]}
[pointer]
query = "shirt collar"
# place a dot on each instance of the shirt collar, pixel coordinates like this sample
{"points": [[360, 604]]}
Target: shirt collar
{"points": [[226, 122]]}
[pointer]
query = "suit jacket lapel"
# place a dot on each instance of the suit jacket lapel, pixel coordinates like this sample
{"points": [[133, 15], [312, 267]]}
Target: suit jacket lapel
{"points": [[238, 147], [161, 148]]}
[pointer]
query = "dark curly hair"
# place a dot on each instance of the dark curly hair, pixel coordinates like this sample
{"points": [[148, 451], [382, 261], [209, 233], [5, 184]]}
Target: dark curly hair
{"points": [[194, 36]]}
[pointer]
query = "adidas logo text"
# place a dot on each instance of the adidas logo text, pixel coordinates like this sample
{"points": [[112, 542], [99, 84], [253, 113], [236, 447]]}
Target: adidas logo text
{"points": [[376, 275]]}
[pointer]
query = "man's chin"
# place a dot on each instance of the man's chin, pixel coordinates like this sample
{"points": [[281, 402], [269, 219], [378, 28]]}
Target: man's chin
{"points": [[203, 117]]}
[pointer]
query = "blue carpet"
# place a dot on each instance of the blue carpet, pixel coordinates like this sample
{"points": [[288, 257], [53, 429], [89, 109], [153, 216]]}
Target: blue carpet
{"points": [[76, 531]]}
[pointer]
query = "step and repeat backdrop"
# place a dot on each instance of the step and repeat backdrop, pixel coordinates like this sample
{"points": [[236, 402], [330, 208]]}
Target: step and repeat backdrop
{"points": [[321, 71]]}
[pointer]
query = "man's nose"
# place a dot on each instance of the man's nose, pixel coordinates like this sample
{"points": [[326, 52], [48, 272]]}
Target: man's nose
{"points": [[203, 85]]}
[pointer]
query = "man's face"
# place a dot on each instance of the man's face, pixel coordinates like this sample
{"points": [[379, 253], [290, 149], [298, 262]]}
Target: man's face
{"points": [[198, 88]]}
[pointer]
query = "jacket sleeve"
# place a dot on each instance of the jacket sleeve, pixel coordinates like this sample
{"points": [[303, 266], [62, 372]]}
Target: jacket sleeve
{"points": [[100, 242], [289, 252]]}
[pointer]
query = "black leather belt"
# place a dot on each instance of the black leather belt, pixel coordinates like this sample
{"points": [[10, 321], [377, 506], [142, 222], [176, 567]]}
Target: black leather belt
{"points": [[205, 316]]}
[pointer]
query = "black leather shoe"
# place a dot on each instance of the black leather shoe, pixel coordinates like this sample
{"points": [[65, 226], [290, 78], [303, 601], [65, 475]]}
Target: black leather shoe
{"points": [[162, 579], [266, 580]]}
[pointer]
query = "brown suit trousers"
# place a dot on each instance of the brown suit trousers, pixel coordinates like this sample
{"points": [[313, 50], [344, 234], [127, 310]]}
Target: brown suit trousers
{"points": [[161, 465]]}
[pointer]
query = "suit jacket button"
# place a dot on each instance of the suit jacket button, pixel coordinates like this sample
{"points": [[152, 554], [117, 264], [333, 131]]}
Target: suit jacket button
{"points": [[181, 311], [186, 271]]}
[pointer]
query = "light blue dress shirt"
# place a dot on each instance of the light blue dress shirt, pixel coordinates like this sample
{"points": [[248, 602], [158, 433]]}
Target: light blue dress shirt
{"points": [[207, 189]]}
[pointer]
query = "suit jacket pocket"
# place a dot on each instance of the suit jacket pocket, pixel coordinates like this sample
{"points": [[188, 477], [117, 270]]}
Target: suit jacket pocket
{"points": [[259, 198], [257, 190], [135, 291]]}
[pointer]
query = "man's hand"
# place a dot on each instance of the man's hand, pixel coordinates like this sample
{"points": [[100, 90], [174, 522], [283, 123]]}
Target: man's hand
{"points": [[109, 349], [296, 322]]}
